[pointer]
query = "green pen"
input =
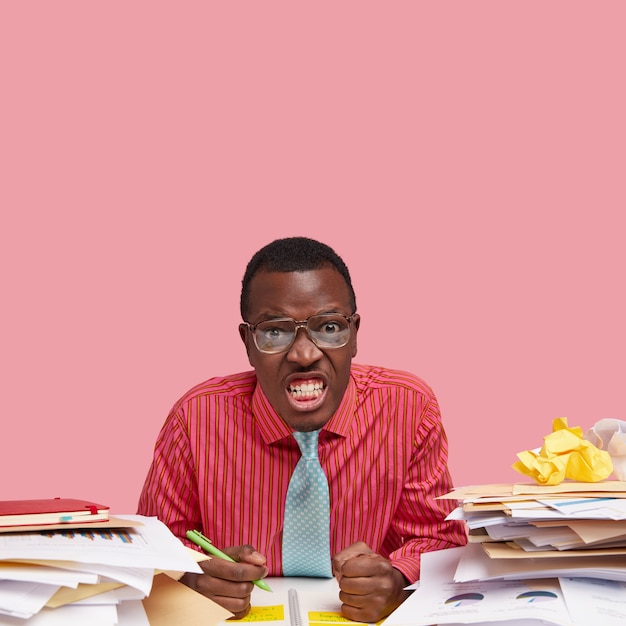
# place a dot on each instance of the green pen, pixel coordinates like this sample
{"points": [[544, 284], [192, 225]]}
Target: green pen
{"points": [[206, 544]]}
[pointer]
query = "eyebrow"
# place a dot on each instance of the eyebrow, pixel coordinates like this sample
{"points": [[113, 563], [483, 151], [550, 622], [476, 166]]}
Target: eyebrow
{"points": [[278, 316]]}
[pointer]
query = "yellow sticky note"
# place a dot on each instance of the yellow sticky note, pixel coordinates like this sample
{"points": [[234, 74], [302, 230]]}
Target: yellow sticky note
{"points": [[327, 617], [272, 613]]}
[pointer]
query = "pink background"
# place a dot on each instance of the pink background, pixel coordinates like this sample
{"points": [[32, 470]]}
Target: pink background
{"points": [[467, 159]]}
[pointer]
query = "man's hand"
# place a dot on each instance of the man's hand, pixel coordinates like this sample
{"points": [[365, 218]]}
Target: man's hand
{"points": [[371, 587], [229, 584]]}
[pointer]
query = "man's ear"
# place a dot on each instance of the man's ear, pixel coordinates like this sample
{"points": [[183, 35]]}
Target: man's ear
{"points": [[356, 323], [245, 337]]}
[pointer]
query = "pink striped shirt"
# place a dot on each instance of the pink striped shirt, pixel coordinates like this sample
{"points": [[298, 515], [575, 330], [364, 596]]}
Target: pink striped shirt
{"points": [[224, 457]]}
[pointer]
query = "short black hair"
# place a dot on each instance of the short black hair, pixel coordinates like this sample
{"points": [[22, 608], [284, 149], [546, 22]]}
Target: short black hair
{"points": [[293, 254]]}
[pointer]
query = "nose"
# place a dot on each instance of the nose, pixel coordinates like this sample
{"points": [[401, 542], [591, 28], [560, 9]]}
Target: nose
{"points": [[303, 351]]}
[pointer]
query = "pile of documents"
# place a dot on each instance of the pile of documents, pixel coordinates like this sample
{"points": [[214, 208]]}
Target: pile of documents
{"points": [[112, 571], [529, 530], [537, 555]]}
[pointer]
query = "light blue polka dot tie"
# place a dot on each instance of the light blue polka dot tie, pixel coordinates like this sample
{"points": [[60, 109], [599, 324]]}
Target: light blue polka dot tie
{"points": [[306, 532]]}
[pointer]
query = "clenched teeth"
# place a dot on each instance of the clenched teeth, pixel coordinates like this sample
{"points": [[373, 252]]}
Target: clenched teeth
{"points": [[306, 390]]}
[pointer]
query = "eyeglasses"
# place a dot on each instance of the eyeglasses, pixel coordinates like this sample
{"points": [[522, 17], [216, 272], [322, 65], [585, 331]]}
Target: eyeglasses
{"points": [[328, 330]]}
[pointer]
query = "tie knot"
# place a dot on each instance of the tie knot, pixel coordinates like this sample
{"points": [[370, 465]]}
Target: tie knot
{"points": [[308, 443]]}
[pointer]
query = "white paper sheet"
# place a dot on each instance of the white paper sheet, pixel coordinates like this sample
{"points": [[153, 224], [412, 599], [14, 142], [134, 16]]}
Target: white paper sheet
{"points": [[441, 601], [151, 545], [23, 599], [45, 574], [132, 613], [589, 508], [597, 602], [115, 596], [136, 577]]}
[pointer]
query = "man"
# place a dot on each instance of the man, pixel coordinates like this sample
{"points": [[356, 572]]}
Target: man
{"points": [[224, 458]]}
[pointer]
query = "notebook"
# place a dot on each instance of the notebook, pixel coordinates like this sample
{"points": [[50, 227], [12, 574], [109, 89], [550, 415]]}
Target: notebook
{"points": [[50, 511]]}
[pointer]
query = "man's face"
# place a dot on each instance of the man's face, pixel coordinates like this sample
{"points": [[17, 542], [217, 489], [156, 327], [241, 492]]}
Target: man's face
{"points": [[299, 295]]}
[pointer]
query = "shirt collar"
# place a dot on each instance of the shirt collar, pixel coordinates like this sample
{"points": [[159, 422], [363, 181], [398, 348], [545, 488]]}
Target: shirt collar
{"points": [[273, 428]]}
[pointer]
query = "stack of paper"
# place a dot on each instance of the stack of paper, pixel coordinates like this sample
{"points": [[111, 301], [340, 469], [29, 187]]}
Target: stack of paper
{"points": [[526, 530], [573, 519], [537, 555], [102, 574]]}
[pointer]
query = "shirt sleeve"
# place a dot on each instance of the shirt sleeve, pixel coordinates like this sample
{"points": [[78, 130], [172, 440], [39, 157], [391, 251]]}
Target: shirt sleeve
{"points": [[420, 518], [170, 490]]}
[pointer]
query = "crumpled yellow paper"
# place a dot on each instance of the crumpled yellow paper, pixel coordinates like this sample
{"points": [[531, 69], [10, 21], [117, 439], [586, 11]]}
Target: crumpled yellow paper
{"points": [[565, 454]]}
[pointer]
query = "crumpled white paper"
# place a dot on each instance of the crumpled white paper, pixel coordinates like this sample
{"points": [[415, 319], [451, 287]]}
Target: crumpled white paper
{"points": [[610, 435]]}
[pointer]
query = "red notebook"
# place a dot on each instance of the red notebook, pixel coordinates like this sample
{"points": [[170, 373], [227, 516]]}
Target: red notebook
{"points": [[51, 511]]}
